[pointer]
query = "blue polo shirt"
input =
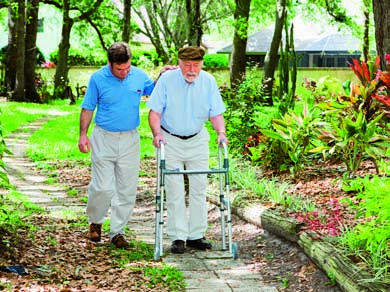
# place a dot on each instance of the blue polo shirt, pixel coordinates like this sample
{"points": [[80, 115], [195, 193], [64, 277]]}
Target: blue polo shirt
{"points": [[117, 101], [185, 107]]}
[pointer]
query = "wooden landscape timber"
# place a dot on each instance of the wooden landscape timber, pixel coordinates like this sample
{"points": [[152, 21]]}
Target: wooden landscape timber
{"points": [[280, 225], [350, 277]]}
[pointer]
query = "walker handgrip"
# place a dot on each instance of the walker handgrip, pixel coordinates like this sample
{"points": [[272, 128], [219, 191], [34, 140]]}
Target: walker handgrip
{"points": [[162, 148], [223, 143]]}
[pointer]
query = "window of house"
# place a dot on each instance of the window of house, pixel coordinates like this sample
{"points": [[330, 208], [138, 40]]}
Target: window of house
{"points": [[341, 61], [330, 62]]}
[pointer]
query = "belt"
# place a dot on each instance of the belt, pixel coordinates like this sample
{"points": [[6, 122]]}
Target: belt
{"points": [[178, 136]]}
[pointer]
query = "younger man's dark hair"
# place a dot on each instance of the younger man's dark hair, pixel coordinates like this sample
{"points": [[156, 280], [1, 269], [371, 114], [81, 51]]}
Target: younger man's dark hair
{"points": [[119, 53]]}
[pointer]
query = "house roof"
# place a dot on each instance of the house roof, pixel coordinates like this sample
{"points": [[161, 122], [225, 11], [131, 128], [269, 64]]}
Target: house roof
{"points": [[260, 42], [334, 42]]}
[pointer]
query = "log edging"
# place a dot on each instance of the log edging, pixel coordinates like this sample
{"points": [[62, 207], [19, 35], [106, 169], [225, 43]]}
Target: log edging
{"points": [[349, 276]]}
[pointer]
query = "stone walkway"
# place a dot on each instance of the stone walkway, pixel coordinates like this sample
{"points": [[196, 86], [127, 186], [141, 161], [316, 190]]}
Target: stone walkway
{"points": [[209, 271]]}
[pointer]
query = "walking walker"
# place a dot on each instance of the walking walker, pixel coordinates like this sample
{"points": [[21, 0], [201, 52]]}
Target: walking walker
{"points": [[225, 218]]}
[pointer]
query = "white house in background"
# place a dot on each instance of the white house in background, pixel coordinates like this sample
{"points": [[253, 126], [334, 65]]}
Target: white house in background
{"points": [[332, 50]]}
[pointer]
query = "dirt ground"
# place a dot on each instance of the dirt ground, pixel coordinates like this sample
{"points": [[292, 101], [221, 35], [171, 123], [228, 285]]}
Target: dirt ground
{"points": [[281, 263]]}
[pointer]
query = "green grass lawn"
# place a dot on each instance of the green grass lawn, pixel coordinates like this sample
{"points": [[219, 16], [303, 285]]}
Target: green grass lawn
{"points": [[58, 138]]}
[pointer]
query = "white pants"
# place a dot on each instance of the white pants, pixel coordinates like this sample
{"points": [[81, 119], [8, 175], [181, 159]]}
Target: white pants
{"points": [[191, 154], [115, 168]]}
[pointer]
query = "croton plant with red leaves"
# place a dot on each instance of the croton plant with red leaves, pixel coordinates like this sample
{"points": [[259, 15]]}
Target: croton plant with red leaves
{"points": [[374, 82]]}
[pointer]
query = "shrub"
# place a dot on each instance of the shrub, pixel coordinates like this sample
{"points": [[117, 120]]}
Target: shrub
{"points": [[144, 57], [82, 58], [215, 61], [99, 58], [3, 55]]}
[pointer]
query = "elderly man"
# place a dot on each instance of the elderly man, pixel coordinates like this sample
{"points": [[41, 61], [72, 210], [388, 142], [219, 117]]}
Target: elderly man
{"points": [[182, 101]]}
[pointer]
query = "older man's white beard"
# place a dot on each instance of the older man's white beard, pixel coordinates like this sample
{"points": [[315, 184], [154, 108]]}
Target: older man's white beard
{"points": [[190, 77]]}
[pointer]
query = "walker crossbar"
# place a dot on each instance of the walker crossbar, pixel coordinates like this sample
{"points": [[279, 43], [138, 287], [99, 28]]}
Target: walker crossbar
{"points": [[223, 170]]}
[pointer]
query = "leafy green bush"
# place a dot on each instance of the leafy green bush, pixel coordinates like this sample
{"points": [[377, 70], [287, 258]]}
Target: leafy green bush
{"points": [[144, 58], [370, 237], [216, 61], [244, 114], [40, 56], [290, 139], [99, 58], [82, 58]]}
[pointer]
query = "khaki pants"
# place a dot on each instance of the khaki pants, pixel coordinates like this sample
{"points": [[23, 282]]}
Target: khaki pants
{"points": [[191, 154], [115, 169]]}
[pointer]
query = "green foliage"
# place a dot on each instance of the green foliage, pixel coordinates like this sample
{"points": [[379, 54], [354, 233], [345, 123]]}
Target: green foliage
{"points": [[173, 279], [351, 123], [286, 94], [252, 187], [144, 58], [14, 210], [40, 56], [216, 61], [290, 139], [351, 138], [370, 238], [139, 251], [78, 57], [328, 86], [242, 110]]}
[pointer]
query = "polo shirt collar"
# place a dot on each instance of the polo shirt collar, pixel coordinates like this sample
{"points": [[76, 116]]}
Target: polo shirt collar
{"points": [[109, 72]]}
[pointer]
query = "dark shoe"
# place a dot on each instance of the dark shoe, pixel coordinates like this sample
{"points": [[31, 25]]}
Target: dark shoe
{"points": [[200, 243], [177, 246], [95, 232], [119, 241]]}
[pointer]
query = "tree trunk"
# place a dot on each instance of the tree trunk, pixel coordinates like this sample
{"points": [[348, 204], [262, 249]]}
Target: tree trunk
{"points": [[271, 59], [11, 61], [238, 58], [126, 31], [61, 76], [348, 275], [381, 11], [195, 31], [31, 51], [151, 9], [19, 93]]}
